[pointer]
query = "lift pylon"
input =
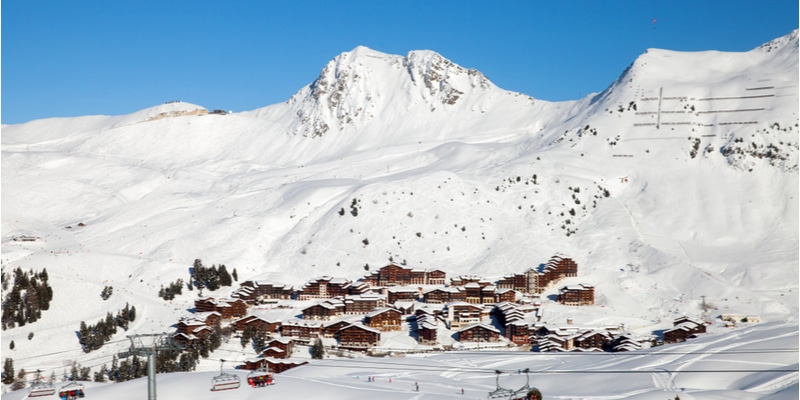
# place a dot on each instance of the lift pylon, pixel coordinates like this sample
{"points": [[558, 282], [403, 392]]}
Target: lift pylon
{"points": [[149, 345]]}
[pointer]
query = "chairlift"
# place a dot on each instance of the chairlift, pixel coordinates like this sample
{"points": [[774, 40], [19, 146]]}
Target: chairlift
{"points": [[523, 393], [224, 381], [40, 389], [70, 391], [260, 378]]}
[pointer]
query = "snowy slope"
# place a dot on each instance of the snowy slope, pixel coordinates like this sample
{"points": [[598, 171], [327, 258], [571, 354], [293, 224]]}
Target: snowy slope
{"points": [[676, 182], [731, 365]]}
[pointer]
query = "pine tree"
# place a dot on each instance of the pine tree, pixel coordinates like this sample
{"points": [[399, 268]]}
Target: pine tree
{"points": [[114, 372], [247, 334], [19, 383], [224, 276], [11, 345], [73, 372], [235, 275], [318, 350], [8, 371], [100, 376], [85, 373]]}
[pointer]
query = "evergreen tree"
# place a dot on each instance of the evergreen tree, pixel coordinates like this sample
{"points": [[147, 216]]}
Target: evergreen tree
{"points": [[318, 350], [247, 335], [85, 373], [235, 275], [73, 372], [186, 362], [197, 273], [215, 338], [19, 383], [114, 371], [224, 276], [259, 341], [11, 345], [125, 371], [8, 371], [100, 376], [212, 278]]}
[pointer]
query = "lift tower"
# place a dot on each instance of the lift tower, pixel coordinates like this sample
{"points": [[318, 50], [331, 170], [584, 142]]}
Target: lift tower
{"points": [[150, 344]]}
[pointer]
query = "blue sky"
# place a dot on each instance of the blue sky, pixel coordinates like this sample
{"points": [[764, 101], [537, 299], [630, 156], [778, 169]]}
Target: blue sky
{"points": [[89, 57]]}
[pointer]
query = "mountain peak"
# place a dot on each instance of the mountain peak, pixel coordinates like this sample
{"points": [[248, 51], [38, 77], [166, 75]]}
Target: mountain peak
{"points": [[356, 86]]}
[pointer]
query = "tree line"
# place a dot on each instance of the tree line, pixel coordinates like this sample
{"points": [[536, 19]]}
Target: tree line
{"points": [[211, 278], [30, 294], [93, 337]]}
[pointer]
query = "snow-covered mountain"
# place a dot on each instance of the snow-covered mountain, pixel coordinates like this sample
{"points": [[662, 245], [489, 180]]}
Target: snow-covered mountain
{"points": [[680, 180]]}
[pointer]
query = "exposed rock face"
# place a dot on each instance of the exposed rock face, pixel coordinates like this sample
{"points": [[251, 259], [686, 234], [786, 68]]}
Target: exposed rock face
{"points": [[355, 86]]}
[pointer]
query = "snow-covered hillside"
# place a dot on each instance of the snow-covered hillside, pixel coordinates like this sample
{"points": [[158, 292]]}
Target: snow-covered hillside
{"points": [[678, 181]]}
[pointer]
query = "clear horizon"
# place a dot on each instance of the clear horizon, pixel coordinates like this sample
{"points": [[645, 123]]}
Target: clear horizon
{"points": [[68, 59]]}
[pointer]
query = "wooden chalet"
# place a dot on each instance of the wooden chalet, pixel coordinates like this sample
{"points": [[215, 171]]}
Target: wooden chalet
{"points": [[503, 295], [577, 295], [278, 348], [478, 333], [363, 303], [426, 328], [189, 339], [394, 274], [324, 288], [269, 290], [405, 307], [325, 310], [461, 314], [331, 328], [473, 291], [625, 342], [546, 275], [358, 337], [227, 308], [246, 294], [257, 323], [444, 295], [211, 318], [684, 327], [463, 280], [592, 339], [253, 363], [399, 293], [518, 332], [488, 294], [300, 330], [278, 365], [385, 319], [518, 282], [357, 288], [436, 277], [187, 325], [507, 312]]}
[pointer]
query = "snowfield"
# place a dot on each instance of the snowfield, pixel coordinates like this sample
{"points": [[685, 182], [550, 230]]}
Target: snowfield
{"points": [[675, 186]]}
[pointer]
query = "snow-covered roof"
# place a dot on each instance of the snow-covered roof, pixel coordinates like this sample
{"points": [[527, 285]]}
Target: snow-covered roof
{"points": [[479, 325]]}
